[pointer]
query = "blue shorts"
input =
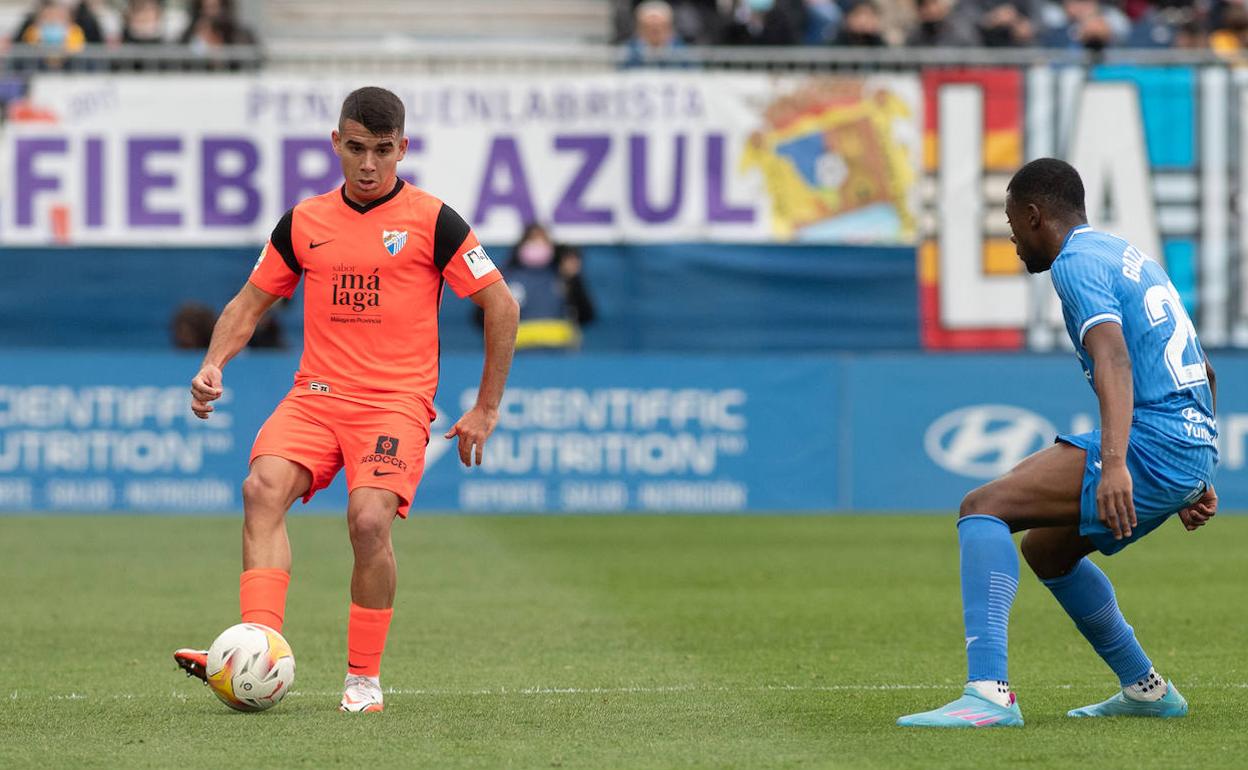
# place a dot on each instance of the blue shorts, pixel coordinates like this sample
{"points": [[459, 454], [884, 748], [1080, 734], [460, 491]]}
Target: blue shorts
{"points": [[1158, 491]]}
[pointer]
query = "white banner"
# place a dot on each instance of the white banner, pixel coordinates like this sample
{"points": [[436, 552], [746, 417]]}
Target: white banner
{"points": [[204, 160]]}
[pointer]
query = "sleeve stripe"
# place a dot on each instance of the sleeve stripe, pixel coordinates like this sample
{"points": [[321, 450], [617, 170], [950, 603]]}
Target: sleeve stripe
{"points": [[1097, 319], [281, 240], [449, 234]]}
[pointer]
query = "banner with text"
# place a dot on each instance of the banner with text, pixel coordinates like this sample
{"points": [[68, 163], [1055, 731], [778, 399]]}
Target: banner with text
{"points": [[602, 158], [919, 158], [1163, 152], [104, 432], [591, 434]]}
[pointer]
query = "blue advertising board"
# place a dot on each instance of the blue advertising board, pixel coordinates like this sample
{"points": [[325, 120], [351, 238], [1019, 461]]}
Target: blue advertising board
{"points": [[114, 432], [889, 432], [928, 429]]}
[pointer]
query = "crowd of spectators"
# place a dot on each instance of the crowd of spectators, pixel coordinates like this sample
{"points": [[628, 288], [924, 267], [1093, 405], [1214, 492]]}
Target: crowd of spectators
{"points": [[656, 30], [61, 30]]}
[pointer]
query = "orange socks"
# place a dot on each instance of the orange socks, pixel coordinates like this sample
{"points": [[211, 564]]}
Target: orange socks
{"points": [[366, 639], [262, 599], [262, 596]]}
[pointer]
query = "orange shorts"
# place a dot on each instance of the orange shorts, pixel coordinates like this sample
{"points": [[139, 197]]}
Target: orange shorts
{"points": [[379, 447]]}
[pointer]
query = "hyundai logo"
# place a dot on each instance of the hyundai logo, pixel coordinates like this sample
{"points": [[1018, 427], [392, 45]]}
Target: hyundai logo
{"points": [[1192, 414], [986, 440]]}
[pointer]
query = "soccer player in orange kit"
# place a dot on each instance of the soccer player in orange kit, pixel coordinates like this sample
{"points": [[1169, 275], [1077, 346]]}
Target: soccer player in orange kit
{"points": [[373, 255]]}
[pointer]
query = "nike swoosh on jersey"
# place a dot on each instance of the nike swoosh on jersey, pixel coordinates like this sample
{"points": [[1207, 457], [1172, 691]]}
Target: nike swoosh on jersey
{"points": [[315, 245], [379, 473]]}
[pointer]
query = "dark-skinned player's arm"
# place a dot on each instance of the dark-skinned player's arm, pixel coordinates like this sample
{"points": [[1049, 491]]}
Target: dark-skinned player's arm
{"points": [[502, 317], [230, 335], [1200, 512], [1116, 392]]}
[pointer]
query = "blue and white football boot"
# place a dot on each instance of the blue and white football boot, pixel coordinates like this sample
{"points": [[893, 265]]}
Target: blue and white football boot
{"points": [[1171, 705], [971, 710]]}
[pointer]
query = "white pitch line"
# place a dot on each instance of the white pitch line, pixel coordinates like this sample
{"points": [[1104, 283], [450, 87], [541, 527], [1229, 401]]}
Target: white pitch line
{"points": [[655, 690]]}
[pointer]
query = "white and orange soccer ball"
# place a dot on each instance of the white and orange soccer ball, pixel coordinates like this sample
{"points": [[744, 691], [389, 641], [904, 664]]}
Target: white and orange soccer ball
{"points": [[250, 667]]}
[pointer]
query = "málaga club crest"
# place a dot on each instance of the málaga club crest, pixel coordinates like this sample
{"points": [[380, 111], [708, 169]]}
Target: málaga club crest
{"points": [[394, 240]]}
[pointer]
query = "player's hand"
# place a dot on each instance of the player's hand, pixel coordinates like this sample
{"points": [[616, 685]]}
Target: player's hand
{"points": [[1200, 512], [473, 429], [205, 387], [1114, 503]]}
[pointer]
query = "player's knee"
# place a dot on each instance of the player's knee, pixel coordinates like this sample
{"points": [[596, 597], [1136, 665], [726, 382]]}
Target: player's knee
{"points": [[1043, 557], [1046, 558], [977, 502], [262, 493], [368, 525], [1042, 560], [1033, 551]]}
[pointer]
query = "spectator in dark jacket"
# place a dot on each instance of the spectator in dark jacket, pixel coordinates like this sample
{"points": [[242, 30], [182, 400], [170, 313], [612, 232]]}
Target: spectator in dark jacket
{"points": [[939, 27], [1004, 24], [545, 278], [654, 42], [1085, 24], [217, 16], [144, 23], [862, 25], [765, 22]]}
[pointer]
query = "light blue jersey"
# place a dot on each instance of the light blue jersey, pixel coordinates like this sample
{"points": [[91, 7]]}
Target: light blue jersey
{"points": [[1101, 278], [1172, 453]]}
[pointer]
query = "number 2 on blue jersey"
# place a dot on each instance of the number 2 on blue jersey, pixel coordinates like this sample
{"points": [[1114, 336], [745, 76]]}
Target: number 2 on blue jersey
{"points": [[1162, 303]]}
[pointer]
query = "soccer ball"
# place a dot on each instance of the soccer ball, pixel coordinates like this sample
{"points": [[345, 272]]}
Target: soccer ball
{"points": [[250, 667]]}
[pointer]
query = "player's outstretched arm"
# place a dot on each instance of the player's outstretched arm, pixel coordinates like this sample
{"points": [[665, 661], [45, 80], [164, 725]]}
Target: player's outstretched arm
{"points": [[1116, 392], [231, 333], [502, 317]]}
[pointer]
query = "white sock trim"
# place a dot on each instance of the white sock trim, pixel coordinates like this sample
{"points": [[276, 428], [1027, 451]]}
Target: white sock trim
{"points": [[993, 690], [1151, 688]]}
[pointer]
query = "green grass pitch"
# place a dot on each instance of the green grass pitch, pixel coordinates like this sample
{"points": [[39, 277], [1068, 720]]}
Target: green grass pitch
{"points": [[623, 642]]}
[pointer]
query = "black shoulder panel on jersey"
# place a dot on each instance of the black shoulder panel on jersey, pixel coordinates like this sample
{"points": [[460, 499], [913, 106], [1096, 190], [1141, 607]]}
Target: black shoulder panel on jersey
{"points": [[448, 235], [281, 240]]}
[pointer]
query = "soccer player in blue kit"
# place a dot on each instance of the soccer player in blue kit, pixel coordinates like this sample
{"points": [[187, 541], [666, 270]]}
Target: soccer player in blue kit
{"points": [[1154, 456]]}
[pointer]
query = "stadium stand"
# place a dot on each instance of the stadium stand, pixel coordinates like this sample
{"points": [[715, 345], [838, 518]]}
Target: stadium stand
{"points": [[480, 20]]}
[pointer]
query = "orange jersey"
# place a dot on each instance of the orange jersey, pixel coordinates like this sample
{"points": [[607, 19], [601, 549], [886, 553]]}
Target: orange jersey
{"points": [[373, 277]]}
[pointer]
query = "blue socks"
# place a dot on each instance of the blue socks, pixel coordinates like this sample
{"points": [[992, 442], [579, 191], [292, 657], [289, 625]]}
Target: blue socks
{"points": [[1088, 597], [989, 582]]}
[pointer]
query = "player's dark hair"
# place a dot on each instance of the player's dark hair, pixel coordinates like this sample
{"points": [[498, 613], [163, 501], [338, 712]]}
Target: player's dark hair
{"points": [[1049, 183], [377, 109]]}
